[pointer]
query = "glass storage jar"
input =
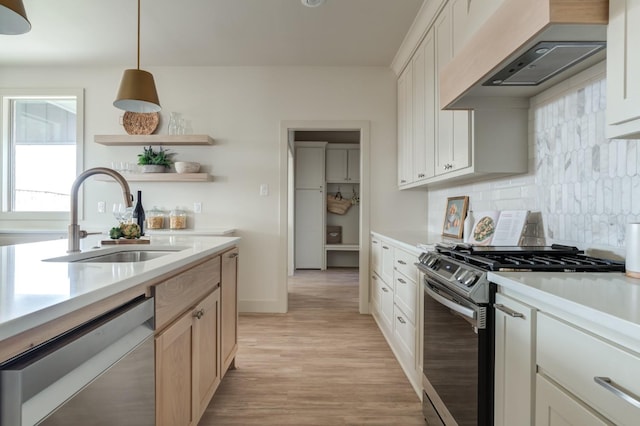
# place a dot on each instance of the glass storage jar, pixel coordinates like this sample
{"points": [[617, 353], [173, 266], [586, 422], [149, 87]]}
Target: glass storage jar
{"points": [[177, 219], [155, 218]]}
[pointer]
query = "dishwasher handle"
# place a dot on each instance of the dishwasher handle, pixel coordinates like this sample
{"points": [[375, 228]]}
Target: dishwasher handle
{"points": [[36, 384]]}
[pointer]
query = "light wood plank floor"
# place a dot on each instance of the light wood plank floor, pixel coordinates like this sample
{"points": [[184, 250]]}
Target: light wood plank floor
{"points": [[320, 364]]}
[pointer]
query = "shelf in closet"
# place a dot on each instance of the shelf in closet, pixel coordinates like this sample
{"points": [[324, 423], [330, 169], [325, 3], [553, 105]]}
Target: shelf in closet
{"points": [[159, 177], [137, 140], [341, 247]]}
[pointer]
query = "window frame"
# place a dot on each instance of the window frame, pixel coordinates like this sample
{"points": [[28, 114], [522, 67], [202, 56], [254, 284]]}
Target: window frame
{"points": [[8, 94]]}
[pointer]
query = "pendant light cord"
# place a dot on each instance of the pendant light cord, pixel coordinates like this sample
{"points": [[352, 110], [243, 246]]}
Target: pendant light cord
{"points": [[138, 34]]}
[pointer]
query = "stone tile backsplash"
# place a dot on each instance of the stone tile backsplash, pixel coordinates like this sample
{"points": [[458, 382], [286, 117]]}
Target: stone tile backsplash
{"points": [[580, 183]]}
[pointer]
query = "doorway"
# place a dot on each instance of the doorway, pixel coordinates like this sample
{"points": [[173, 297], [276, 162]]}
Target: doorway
{"points": [[336, 133]]}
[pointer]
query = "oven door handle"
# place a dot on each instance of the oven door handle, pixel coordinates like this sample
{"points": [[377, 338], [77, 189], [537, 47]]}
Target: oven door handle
{"points": [[457, 308]]}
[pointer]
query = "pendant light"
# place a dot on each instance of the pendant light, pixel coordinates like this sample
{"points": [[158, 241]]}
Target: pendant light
{"points": [[13, 18], [137, 91], [312, 3]]}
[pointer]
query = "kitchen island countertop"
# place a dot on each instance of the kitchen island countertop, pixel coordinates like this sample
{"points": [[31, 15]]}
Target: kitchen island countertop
{"points": [[34, 292]]}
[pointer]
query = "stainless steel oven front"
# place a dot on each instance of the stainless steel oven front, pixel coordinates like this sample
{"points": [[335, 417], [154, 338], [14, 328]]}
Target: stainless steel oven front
{"points": [[458, 357]]}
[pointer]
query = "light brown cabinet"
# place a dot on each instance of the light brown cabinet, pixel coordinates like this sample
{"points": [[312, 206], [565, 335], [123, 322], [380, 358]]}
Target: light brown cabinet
{"points": [[196, 337], [229, 307]]}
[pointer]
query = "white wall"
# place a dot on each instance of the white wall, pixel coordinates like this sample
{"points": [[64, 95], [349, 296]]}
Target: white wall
{"points": [[241, 108], [584, 185]]}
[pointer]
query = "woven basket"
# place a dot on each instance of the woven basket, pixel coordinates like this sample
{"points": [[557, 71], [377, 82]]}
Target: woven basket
{"points": [[337, 206]]}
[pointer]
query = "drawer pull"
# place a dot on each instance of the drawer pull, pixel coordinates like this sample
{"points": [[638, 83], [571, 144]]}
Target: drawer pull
{"points": [[385, 247], [199, 313], [622, 393], [385, 290], [402, 262], [402, 281], [373, 277], [374, 242], [401, 320], [508, 311], [232, 255]]}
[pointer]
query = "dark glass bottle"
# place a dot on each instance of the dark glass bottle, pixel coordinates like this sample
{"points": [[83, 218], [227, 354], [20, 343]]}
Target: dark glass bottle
{"points": [[138, 213]]}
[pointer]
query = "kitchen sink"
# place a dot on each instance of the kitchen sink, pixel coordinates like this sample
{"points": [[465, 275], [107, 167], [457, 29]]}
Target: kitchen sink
{"points": [[116, 256], [125, 256]]}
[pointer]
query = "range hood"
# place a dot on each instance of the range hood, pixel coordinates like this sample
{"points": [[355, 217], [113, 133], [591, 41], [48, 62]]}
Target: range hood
{"points": [[525, 47]]}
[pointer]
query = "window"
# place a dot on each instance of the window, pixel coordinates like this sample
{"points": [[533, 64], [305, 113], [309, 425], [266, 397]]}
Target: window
{"points": [[41, 149]]}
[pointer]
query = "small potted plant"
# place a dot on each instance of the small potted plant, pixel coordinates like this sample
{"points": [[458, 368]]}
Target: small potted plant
{"points": [[151, 161]]}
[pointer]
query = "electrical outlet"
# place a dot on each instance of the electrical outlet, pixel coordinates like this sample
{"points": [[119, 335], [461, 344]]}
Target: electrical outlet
{"points": [[102, 208], [197, 207], [264, 189]]}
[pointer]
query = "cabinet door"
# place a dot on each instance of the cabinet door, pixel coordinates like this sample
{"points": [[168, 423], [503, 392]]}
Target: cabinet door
{"points": [[424, 145], [309, 167], [453, 127], [309, 228], [556, 408], [353, 165], [418, 63], [386, 305], [229, 306], [174, 381], [336, 165], [514, 362], [405, 131], [206, 351], [623, 68]]}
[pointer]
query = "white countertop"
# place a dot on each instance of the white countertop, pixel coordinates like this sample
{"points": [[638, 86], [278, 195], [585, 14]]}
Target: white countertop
{"points": [[411, 239], [609, 300], [33, 292]]}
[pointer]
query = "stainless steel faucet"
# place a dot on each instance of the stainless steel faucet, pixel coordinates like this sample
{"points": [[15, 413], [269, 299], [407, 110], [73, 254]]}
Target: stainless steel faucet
{"points": [[74, 229]]}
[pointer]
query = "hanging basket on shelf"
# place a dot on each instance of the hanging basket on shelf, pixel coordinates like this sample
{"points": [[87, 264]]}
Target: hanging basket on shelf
{"points": [[337, 205]]}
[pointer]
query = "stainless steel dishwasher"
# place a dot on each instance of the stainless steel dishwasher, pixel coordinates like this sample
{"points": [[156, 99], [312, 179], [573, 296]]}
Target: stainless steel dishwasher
{"points": [[101, 373]]}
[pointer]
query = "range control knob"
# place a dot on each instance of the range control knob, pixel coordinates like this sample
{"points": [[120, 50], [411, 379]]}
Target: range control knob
{"points": [[432, 261], [470, 279]]}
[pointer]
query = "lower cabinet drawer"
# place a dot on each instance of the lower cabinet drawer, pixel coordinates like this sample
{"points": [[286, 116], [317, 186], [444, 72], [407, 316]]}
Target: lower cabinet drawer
{"points": [[602, 375], [404, 290], [404, 262], [404, 331]]}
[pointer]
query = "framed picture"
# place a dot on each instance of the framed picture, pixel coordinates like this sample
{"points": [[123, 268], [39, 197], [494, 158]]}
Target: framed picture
{"points": [[454, 216]]}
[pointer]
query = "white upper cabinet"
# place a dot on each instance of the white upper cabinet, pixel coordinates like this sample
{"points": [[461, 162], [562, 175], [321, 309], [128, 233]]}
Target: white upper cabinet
{"points": [[309, 165], [436, 146], [623, 69], [453, 138], [343, 164], [424, 80], [405, 127]]}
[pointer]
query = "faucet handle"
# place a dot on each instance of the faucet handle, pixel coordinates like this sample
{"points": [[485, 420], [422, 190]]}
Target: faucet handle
{"points": [[83, 233]]}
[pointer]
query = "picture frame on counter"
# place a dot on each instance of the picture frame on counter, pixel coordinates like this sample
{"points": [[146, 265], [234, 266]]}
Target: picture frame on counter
{"points": [[454, 215]]}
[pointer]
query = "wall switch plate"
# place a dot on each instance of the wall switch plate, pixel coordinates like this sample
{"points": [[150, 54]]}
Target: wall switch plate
{"points": [[264, 189], [197, 207], [102, 208]]}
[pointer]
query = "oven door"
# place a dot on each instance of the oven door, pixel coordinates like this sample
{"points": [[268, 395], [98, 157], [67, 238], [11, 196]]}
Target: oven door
{"points": [[456, 358]]}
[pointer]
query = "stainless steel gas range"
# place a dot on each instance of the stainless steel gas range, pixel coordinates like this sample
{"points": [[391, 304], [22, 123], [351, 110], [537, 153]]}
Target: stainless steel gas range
{"points": [[459, 317]]}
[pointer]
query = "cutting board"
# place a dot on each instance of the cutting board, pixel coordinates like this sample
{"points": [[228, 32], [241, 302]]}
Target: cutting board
{"points": [[125, 241]]}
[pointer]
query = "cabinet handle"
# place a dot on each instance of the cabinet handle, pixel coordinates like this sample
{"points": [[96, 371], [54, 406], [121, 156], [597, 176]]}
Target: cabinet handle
{"points": [[401, 320], [402, 262], [402, 281], [198, 314], [421, 175], [385, 290], [374, 242], [373, 277], [508, 311], [403, 181], [232, 255], [385, 247], [618, 391]]}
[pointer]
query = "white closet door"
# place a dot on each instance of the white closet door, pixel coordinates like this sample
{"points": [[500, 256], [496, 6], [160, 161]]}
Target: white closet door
{"points": [[309, 224]]}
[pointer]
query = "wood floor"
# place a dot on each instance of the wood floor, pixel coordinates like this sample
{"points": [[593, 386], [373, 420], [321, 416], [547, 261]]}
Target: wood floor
{"points": [[320, 364]]}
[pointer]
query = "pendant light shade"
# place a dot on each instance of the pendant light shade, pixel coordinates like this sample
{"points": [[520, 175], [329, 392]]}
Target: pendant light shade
{"points": [[137, 91], [13, 18]]}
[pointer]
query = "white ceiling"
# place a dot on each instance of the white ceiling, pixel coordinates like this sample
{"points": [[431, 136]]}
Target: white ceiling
{"points": [[211, 32]]}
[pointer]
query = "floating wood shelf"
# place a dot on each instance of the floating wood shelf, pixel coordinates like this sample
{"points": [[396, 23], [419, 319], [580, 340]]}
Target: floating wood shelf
{"points": [[159, 177], [137, 140]]}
